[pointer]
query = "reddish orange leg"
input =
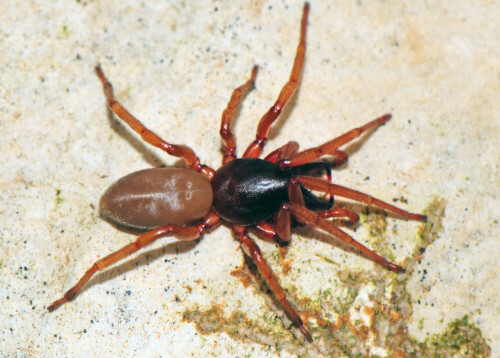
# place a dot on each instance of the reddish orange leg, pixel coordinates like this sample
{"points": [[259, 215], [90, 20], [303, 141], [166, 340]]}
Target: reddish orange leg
{"points": [[283, 224], [283, 221], [282, 153], [340, 157], [255, 148], [277, 155], [291, 148], [227, 117], [266, 231], [339, 213], [180, 232], [149, 136], [322, 185], [307, 216], [331, 147], [252, 250]]}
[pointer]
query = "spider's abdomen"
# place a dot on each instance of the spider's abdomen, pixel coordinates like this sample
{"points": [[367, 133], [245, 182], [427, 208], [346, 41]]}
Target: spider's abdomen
{"points": [[249, 190], [156, 197]]}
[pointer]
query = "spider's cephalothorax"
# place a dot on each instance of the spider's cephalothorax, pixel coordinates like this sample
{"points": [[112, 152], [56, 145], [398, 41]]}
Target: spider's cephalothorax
{"points": [[249, 190], [264, 194]]}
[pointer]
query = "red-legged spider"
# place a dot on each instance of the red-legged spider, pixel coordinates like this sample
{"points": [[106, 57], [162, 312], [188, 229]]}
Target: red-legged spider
{"points": [[244, 192]]}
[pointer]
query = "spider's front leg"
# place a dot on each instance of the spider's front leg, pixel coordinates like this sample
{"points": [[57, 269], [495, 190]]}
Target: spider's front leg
{"points": [[331, 147], [255, 148], [322, 185], [291, 148], [227, 116], [252, 250]]}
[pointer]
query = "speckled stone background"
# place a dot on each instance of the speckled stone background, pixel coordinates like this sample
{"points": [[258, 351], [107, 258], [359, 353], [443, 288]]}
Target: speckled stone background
{"points": [[434, 66]]}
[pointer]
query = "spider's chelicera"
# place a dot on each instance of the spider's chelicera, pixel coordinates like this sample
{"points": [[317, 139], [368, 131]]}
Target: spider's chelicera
{"points": [[264, 194]]}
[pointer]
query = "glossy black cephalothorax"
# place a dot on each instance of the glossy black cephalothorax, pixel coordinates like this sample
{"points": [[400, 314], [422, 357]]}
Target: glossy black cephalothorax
{"points": [[249, 190]]}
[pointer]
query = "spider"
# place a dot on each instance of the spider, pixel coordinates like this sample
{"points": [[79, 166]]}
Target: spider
{"points": [[247, 192]]}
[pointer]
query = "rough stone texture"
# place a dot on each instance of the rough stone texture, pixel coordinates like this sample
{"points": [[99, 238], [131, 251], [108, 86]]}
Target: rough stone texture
{"points": [[435, 67]]}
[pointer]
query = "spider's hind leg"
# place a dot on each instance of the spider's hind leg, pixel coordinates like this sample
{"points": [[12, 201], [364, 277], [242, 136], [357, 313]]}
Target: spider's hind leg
{"points": [[176, 150], [306, 216]]}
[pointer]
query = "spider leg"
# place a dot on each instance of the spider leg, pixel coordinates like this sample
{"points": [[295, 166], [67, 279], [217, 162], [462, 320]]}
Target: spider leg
{"points": [[340, 156], [322, 185], [186, 233], [306, 216], [255, 148], [266, 231], [313, 167], [339, 213], [227, 116], [283, 224], [181, 151], [282, 229], [252, 250], [331, 147], [291, 148], [282, 153], [283, 220]]}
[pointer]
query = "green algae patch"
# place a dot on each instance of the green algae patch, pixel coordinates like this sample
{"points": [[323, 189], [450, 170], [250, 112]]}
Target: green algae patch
{"points": [[267, 330], [59, 197], [429, 231], [461, 339], [213, 320], [376, 222]]}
